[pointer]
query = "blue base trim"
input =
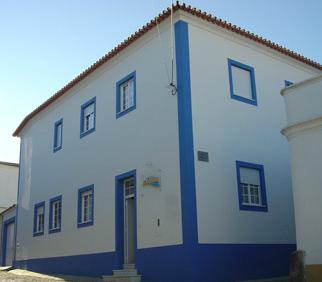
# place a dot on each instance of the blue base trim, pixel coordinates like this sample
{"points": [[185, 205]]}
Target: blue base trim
{"points": [[93, 265], [212, 262]]}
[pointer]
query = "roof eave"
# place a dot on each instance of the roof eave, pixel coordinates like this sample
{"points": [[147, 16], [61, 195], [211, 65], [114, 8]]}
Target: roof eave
{"points": [[160, 18]]}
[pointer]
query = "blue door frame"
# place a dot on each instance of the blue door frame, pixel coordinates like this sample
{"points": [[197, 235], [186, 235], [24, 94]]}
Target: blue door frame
{"points": [[119, 215], [4, 238]]}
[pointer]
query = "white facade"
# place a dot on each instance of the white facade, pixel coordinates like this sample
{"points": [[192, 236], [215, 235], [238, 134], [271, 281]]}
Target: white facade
{"points": [[148, 135], [8, 184], [147, 140], [231, 130], [304, 122]]}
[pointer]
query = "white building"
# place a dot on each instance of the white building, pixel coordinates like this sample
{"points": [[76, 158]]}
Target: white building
{"points": [[8, 198], [189, 182], [304, 122], [8, 184]]}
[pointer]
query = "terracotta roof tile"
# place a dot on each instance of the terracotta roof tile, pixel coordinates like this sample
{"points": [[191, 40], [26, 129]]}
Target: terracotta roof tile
{"points": [[161, 17]]}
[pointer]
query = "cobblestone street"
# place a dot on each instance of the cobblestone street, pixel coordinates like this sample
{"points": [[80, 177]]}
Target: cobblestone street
{"points": [[25, 276]]}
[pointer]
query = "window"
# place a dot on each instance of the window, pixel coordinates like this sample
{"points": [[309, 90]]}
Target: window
{"points": [[251, 186], [288, 83], [58, 135], [55, 208], [242, 82], [88, 117], [128, 185], [86, 206], [39, 219], [126, 95]]}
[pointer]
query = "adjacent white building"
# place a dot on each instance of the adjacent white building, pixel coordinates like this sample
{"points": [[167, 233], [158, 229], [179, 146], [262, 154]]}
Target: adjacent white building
{"points": [[303, 102], [184, 180], [8, 184]]}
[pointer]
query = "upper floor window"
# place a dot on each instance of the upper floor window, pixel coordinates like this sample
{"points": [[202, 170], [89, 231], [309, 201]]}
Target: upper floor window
{"points": [[55, 211], [88, 117], [86, 206], [39, 219], [58, 135], [242, 82], [288, 83], [126, 94], [251, 186]]}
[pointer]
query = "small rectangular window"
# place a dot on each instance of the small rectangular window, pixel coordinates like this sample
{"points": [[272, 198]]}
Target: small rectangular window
{"points": [[55, 212], [86, 206], [126, 95], [88, 117], [39, 219], [242, 82], [251, 186], [58, 135]]}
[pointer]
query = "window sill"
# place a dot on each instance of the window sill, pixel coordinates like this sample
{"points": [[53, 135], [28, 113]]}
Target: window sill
{"points": [[57, 149], [243, 99], [120, 114], [38, 234], [84, 224], [54, 230], [253, 208], [84, 133]]}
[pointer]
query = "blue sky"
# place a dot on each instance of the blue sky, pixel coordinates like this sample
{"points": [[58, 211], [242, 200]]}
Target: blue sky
{"points": [[45, 44]]}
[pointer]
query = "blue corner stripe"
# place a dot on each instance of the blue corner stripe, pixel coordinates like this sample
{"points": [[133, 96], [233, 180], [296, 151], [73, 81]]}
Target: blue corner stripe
{"points": [[186, 149]]}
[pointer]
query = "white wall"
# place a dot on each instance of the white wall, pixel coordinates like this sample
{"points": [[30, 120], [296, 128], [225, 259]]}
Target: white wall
{"points": [[231, 130], [8, 185], [306, 155], [303, 101], [146, 135]]}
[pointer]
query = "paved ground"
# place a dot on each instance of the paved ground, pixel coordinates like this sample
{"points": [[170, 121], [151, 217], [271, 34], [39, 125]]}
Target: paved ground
{"points": [[27, 276]]}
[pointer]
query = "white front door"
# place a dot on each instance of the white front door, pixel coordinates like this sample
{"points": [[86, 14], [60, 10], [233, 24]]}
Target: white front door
{"points": [[9, 243], [129, 221]]}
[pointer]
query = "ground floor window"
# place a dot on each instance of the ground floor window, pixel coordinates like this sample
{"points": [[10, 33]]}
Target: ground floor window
{"points": [[86, 206], [39, 219], [55, 211], [251, 186]]}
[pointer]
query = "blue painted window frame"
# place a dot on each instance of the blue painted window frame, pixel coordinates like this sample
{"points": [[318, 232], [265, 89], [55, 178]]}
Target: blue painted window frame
{"points": [[83, 107], [51, 202], [233, 63], [79, 206], [119, 114], [4, 238], [119, 215], [36, 207], [288, 83], [260, 168], [56, 147]]}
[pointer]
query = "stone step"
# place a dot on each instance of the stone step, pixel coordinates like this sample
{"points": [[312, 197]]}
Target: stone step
{"points": [[121, 278], [125, 272], [129, 266]]}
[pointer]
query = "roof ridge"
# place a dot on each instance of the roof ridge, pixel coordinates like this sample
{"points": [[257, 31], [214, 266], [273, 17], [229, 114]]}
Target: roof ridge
{"points": [[148, 26]]}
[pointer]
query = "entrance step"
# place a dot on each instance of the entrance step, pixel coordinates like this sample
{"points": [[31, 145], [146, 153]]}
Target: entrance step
{"points": [[127, 274], [129, 266]]}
